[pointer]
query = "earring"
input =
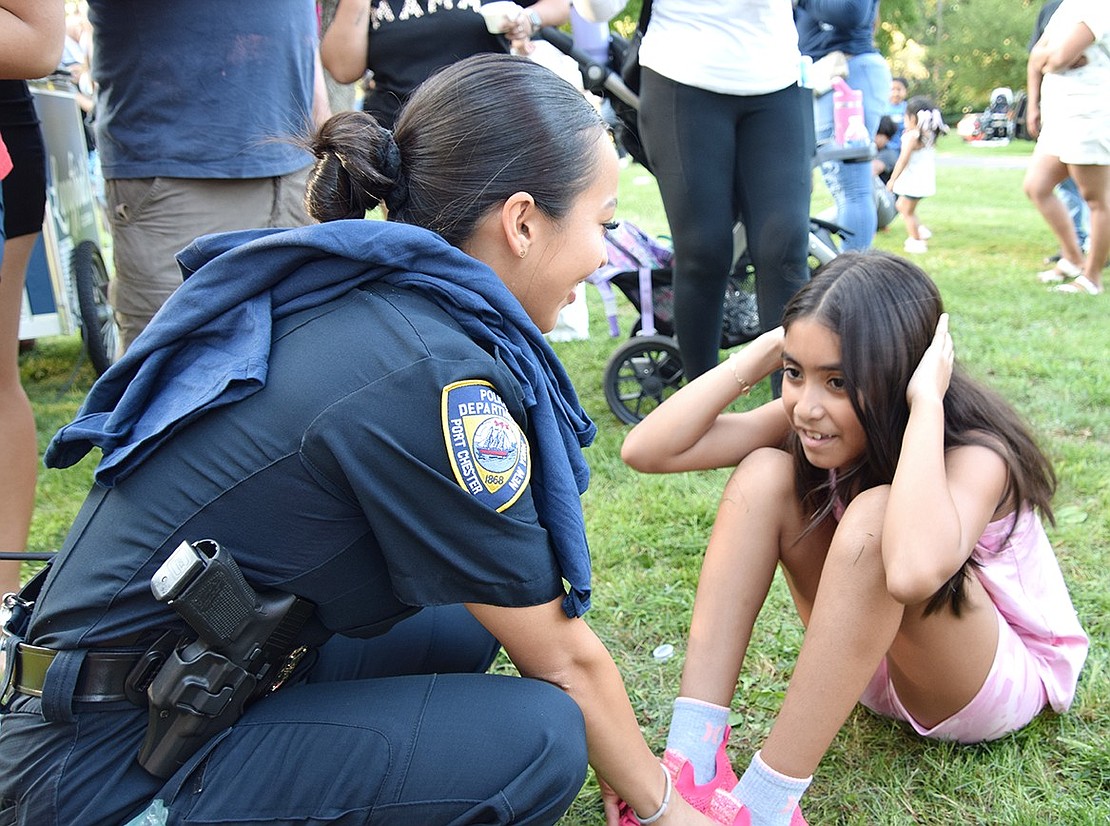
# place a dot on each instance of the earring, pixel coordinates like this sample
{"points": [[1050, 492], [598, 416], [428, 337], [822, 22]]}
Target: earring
{"points": [[523, 252]]}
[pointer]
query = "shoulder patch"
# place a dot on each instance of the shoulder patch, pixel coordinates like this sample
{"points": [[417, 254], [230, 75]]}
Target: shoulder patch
{"points": [[488, 451]]}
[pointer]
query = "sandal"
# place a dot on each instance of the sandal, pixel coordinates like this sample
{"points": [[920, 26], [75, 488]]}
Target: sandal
{"points": [[1063, 270], [1082, 284]]}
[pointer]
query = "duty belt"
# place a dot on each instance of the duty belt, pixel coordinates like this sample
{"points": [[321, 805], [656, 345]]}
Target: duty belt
{"points": [[102, 678]]}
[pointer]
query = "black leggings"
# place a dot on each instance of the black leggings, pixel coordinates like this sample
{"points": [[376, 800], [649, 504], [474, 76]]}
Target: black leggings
{"points": [[718, 159]]}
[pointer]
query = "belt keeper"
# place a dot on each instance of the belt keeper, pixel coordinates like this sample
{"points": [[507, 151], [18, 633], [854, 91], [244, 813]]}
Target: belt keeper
{"points": [[60, 685]]}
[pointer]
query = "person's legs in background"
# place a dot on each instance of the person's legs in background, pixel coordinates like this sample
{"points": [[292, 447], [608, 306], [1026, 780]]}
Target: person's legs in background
{"points": [[690, 138], [1077, 208], [1093, 181], [773, 188], [907, 208], [22, 207], [1042, 175], [155, 218], [850, 183], [18, 437]]}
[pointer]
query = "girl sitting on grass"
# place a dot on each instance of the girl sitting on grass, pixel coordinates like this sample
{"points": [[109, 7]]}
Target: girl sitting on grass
{"points": [[915, 172], [901, 498]]}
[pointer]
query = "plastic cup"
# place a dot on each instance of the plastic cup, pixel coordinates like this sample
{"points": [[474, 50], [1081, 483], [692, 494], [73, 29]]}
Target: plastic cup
{"points": [[498, 12]]}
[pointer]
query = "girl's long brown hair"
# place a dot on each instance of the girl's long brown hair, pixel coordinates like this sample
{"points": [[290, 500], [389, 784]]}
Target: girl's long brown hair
{"points": [[885, 311]]}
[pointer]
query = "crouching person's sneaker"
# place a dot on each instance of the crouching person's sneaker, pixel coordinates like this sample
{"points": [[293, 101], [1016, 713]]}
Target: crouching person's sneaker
{"points": [[727, 810]]}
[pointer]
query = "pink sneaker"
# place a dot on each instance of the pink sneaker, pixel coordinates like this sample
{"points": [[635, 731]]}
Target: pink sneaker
{"points": [[682, 773], [628, 817], [727, 810]]}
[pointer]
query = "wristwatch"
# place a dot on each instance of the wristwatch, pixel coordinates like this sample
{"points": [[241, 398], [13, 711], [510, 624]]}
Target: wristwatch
{"points": [[536, 20]]}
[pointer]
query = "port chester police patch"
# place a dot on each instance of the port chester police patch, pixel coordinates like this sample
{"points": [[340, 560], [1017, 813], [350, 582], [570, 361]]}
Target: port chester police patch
{"points": [[488, 451]]}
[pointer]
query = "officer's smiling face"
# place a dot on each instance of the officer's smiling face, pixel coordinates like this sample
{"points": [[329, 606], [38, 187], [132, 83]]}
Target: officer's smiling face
{"points": [[571, 248]]}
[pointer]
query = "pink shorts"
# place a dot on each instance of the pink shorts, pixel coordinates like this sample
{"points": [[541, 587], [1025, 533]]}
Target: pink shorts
{"points": [[1011, 696]]}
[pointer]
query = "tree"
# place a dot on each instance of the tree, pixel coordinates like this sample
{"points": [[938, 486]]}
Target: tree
{"points": [[968, 47]]}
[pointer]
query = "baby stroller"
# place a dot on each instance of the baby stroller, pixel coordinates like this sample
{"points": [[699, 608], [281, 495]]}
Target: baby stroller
{"points": [[648, 368], [997, 120]]}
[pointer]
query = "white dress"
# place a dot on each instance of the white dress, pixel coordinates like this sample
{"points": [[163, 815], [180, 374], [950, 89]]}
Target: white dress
{"points": [[919, 178], [1075, 104]]}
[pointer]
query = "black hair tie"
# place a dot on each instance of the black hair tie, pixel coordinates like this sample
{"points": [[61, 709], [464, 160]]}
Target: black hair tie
{"points": [[389, 159]]}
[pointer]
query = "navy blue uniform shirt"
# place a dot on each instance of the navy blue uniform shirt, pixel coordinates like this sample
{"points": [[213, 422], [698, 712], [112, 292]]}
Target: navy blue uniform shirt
{"points": [[336, 481]]}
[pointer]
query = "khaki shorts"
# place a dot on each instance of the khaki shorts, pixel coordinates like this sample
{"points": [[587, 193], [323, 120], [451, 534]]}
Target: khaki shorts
{"points": [[152, 219]]}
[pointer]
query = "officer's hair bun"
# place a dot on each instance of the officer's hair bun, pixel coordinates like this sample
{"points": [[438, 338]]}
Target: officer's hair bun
{"points": [[358, 166]]}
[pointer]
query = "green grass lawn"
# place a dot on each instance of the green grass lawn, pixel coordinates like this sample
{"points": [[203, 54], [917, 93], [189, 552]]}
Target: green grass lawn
{"points": [[1047, 352]]}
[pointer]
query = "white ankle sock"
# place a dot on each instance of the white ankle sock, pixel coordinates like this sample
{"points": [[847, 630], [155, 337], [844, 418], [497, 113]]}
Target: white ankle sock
{"points": [[697, 729], [770, 796]]}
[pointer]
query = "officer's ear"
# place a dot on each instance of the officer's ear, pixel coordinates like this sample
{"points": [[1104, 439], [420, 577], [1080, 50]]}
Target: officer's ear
{"points": [[519, 215]]}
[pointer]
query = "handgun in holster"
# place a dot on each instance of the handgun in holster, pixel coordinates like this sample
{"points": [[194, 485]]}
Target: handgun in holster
{"points": [[246, 646]]}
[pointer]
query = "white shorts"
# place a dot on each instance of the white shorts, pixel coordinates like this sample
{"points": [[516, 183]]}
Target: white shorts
{"points": [[1075, 132], [1011, 696]]}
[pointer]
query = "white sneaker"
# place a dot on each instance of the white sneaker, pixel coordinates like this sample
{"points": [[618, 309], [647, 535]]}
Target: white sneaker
{"points": [[915, 245], [923, 232]]}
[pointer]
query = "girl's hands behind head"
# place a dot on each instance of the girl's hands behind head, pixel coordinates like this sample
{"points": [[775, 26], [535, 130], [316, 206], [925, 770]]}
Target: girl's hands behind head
{"points": [[769, 346], [930, 379]]}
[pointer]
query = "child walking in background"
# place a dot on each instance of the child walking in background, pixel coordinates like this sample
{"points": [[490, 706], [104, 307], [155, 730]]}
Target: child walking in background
{"points": [[915, 172], [904, 502]]}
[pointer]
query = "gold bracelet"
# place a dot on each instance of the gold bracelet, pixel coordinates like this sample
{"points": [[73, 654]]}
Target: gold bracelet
{"points": [[745, 388]]}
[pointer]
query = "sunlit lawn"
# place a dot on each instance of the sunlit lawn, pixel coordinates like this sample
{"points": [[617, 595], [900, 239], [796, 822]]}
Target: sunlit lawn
{"points": [[1047, 352]]}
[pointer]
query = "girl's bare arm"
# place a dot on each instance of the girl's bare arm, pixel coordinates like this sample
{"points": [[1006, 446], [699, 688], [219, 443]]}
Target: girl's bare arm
{"points": [[939, 502], [910, 143], [544, 644], [689, 431]]}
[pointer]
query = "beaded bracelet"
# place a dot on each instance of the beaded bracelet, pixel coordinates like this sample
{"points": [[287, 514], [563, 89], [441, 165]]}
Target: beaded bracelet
{"points": [[662, 810], [745, 388]]}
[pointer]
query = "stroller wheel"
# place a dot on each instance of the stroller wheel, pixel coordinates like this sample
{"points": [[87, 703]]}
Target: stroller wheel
{"points": [[640, 374]]}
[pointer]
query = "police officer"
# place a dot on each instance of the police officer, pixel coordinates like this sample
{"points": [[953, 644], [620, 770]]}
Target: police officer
{"points": [[366, 415]]}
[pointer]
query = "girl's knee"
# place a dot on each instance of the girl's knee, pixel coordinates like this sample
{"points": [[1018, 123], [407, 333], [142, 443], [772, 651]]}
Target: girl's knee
{"points": [[763, 487], [767, 470], [859, 531], [866, 510], [868, 502]]}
